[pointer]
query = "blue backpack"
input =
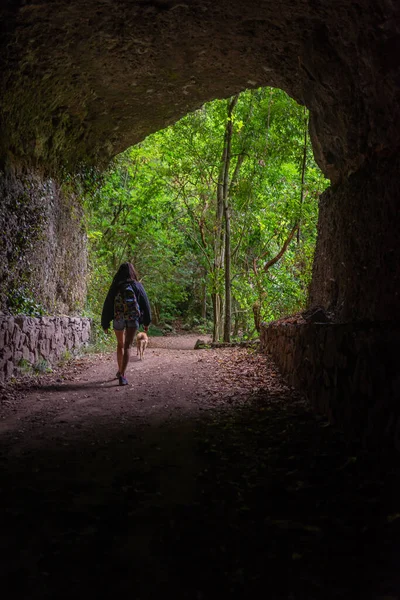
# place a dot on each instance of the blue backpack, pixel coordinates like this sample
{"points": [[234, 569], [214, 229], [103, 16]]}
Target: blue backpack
{"points": [[126, 305]]}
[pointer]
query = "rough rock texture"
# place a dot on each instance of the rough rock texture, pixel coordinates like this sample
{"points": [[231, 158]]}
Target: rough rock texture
{"points": [[46, 338], [83, 80], [43, 258], [356, 271], [349, 372]]}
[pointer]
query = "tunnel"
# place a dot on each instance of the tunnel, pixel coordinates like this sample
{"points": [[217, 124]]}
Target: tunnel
{"points": [[83, 81]]}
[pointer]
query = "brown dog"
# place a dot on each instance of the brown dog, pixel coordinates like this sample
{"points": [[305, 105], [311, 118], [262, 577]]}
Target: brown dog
{"points": [[141, 343]]}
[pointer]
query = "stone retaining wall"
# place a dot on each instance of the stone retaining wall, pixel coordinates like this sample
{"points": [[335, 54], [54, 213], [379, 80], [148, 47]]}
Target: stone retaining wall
{"points": [[35, 339], [42, 226], [350, 373]]}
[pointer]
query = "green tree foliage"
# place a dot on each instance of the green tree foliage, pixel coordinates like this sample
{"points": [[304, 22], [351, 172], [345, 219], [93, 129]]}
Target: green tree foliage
{"points": [[165, 205]]}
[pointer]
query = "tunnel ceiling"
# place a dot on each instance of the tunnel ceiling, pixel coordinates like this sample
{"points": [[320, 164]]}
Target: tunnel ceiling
{"points": [[81, 81]]}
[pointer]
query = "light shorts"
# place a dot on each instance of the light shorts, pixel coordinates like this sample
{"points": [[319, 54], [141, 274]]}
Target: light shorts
{"points": [[121, 324]]}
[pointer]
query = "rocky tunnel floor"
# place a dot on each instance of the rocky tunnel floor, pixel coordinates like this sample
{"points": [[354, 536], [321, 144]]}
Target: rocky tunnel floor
{"points": [[205, 477]]}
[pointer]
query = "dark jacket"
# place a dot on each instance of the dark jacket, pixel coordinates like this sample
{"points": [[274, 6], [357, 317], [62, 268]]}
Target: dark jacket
{"points": [[108, 308]]}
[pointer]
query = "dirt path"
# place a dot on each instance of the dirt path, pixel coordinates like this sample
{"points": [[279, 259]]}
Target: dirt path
{"points": [[87, 396], [205, 477]]}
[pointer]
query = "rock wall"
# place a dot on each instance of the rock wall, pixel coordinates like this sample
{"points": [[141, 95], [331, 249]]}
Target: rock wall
{"points": [[35, 340], [356, 273], [43, 256], [82, 81], [349, 372]]}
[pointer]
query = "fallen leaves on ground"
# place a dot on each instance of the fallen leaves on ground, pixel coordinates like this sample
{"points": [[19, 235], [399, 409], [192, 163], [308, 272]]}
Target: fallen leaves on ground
{"points": [[255, 493]]}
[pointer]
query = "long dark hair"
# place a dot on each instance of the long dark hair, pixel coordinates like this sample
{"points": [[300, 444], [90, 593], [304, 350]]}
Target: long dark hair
{"points": [[126, 272]]}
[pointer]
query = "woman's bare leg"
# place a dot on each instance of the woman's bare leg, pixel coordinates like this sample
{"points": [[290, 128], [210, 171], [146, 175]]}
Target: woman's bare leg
{"points": [[120, 348], [129, 335]]}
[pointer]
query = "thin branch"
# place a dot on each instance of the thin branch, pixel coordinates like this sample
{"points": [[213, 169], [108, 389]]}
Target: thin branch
{"points": [[255, 267], [201, 248], [239, 162], [245, 225], [282, 251]]}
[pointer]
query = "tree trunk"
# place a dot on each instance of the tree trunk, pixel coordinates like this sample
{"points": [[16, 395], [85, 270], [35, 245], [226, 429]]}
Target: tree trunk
{"points": [[228, 285], [303, 171], [221, 318], [257, 315], [217, 321], [219, 244], [155, 313], [235, 318], [227, 217], [204, 302]]}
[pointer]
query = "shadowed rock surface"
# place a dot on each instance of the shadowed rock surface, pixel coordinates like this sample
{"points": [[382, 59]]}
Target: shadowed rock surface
{"points": [[82, 81], [207, 477]]}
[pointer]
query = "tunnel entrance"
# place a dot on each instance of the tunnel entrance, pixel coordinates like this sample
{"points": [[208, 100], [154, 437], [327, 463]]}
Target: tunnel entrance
{"points": [[82, 85], [82, 82], [222, 257]]}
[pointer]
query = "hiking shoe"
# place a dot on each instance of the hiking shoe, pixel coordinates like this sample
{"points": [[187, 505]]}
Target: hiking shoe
{"points": [[118, 375], [123, 380]]}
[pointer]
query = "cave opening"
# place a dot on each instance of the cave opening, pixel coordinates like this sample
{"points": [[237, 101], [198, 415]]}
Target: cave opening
{"points": [[157, 205], [80, 82]]}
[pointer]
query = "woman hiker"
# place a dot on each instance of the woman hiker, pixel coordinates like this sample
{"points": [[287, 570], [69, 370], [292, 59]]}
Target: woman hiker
{"points": [[126, 305]]}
